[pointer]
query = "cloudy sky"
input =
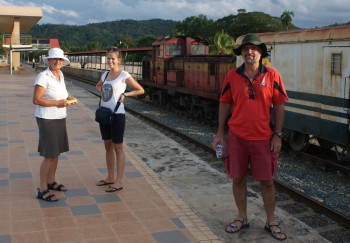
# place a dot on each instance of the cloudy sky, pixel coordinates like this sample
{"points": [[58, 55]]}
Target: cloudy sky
{"points": [[307, 13]]}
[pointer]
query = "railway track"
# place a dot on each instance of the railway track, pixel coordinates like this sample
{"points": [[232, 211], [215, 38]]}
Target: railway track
{"points": [[293, 200], [319, 207], [326, 158]]}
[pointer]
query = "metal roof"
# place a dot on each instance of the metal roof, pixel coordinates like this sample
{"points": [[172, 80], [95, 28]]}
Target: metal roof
{"points": [[328, 33]]}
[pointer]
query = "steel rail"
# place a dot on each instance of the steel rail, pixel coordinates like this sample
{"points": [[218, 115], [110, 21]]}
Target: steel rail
{"points": [[319, 207]]}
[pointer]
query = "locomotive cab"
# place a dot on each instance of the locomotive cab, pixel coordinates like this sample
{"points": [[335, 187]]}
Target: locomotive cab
{"points": [[164, 49], [182, 73]]}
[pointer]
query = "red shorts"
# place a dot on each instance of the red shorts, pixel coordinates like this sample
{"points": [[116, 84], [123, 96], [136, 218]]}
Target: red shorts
{"points": [[256, 154]]}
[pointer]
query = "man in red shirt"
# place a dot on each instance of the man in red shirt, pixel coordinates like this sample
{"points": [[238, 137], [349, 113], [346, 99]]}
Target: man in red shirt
{"points": [[249, 92]]}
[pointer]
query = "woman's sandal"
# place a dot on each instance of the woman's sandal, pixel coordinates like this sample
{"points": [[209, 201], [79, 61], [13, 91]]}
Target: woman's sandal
{"points": [[233, 228], [56, 187], [113, 189], [49, 198], [104, 183], [277, 232]]}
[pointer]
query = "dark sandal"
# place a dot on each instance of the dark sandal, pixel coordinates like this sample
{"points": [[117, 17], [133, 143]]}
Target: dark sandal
{"points": [[56, 187], [104, 183], [49, 198], [113, 189], [233, 228], [276, 232]]}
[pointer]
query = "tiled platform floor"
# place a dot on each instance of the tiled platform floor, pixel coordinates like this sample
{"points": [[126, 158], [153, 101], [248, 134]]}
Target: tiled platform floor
{"points": [[146, 210]]}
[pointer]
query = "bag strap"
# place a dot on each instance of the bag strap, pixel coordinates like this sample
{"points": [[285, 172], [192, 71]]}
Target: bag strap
{"points": [[116, 107], [105, 77], [118, 103], [99, 103]]}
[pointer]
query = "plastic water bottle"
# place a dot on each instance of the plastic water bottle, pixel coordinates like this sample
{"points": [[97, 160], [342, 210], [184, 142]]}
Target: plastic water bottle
{"points": [[219, 151]]}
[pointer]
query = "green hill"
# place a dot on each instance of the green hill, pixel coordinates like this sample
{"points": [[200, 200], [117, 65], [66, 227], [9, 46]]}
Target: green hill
{"points": [[143, 32], [105, 33]]}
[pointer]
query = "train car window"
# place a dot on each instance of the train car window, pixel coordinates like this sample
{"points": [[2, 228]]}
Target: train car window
{"points": [[336, 63], [173, 50], [198, 49], [159, 50]]}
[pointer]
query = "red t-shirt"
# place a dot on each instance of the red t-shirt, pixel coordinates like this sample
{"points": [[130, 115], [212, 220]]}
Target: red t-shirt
{"points": [[250, 118]]}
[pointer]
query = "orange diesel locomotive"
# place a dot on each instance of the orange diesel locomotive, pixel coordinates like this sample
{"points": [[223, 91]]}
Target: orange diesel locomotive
{"points": [[180, 72]]}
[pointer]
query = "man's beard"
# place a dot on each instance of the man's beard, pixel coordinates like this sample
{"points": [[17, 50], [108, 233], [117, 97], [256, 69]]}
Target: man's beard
{"points": [[248, 60]]}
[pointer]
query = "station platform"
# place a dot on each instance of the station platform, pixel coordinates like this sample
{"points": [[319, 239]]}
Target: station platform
{"points": [[146, 210]]}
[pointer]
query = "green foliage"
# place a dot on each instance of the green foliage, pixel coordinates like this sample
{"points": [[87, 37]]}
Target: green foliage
{"points": [[95, 45], [146, 41], [338, 24], [232, 25], [193, 26], [65, 46], [252, 22], [223, 44], [286, 18], [240, 11], [131, 33], [35, 54], [123, 41], [106, 33]]}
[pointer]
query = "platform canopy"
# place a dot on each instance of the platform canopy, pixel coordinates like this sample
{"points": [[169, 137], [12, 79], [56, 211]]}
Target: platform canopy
{"points": [[27, 16]]}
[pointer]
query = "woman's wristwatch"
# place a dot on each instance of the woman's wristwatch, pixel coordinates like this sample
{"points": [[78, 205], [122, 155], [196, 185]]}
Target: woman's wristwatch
{"points": [[278, 133]]}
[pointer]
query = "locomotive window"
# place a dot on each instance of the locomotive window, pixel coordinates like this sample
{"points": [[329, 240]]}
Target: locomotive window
{"points": [[336, 63], [173, 50], [212, 69], [198, 49]]}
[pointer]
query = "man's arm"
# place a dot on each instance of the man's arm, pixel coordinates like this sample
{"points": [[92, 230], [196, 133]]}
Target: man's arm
{"points": [[279, 117], [224, 110]]}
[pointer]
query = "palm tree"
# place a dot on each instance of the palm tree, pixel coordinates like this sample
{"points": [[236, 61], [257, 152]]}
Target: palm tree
{"points": [[286, 18]]}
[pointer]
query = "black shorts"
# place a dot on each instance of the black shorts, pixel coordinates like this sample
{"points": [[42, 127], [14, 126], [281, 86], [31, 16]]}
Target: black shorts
{"points": [[115, 131]]}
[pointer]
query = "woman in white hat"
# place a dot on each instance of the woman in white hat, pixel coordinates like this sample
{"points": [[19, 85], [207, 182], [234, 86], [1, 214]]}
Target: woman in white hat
{"points": [[51, 97]]}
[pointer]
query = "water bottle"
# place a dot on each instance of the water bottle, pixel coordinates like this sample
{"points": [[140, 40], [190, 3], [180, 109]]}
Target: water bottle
{"points": [[219, 151]]}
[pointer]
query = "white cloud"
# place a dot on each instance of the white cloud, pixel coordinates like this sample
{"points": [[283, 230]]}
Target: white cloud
{"points": [[69, 13], [53, 10], [309, 13]]}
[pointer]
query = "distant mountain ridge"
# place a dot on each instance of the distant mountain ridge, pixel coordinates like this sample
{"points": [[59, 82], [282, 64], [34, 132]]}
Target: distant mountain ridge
{"points": [[103, 35], [105, 32]]}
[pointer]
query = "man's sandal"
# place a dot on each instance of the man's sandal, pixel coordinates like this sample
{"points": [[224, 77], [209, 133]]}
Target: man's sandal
{"points": [[278, 233], [234, 228], [48, 198], [56, 187]]}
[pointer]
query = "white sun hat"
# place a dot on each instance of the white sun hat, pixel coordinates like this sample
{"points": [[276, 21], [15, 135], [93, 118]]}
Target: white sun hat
{"points": [[56, 53]]}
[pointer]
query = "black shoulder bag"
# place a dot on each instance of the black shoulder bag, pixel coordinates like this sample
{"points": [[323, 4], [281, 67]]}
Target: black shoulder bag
{"points": [[104, 115]]}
